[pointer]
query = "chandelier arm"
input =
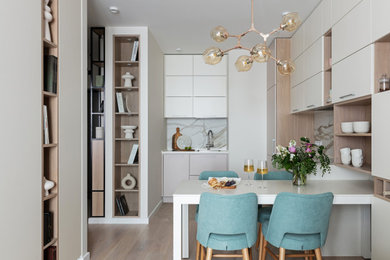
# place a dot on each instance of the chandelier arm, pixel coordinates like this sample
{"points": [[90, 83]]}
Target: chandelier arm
{"points": [[236, 47], [275, 30], [273, 58]]}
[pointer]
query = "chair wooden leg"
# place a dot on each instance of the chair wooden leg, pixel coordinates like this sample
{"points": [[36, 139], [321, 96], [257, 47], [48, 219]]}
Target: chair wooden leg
{"points": [[209, 253], [201, 252], [258, 243], [307, 252], [318, 253], [282, 253], [245, 254], [261, 244], [312, 252], [197, 250], [263, 250], [250, 253]]}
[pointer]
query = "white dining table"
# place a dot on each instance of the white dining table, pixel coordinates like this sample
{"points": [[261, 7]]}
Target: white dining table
{"points": [[346, 192]]}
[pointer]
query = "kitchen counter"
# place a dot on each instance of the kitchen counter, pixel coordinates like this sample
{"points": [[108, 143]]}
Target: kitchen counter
{"points": [[195, 152]]}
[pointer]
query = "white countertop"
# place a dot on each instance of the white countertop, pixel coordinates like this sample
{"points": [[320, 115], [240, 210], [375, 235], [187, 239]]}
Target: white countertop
{"points": [[195, 152]]}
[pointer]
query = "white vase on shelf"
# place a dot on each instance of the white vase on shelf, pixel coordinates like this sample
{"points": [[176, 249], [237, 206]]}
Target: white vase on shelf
{"points": [[128, 182], [127, 77], [48, 20], [129, 131], [47, 185]]}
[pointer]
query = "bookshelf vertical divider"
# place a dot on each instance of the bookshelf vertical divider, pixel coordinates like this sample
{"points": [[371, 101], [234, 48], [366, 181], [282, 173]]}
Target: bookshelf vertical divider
{"points": [[125, 61], [50, 138]]}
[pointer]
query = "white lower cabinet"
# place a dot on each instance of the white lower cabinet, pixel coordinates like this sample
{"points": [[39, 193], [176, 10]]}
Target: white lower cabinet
{"points": [[352, 77], [380, 229], [188, 166]]}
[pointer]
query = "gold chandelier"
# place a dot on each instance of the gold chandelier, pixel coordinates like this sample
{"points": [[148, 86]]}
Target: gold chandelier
{"points": [[259, 53]]}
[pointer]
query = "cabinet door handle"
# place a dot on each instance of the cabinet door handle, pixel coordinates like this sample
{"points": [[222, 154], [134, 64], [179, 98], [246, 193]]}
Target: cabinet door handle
{"points": [[345, 96], [295, 110], [310, 106]]}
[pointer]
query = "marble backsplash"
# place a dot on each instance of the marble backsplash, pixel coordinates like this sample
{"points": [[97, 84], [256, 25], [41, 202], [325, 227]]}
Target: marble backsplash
{"points": [[197, 129], [323, 130]]}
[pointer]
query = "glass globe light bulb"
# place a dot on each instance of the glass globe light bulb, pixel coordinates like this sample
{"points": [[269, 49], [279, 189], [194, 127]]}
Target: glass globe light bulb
{"points": [[260, 52], [290, 22], [219, 34], [212, 55], [244, 63], [285, 67]]}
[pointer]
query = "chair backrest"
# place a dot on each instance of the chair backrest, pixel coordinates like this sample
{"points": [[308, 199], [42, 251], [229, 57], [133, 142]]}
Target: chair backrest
{"points": [[299, 214], [227, 215], [277, 175], [206, 174]]}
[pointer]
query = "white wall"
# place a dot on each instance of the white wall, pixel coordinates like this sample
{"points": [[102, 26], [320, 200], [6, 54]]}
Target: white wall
{"points": [[20, 132], [156, 130], [247, 113]]}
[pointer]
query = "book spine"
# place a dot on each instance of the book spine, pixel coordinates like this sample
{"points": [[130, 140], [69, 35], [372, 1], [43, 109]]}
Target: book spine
{"points": [[119, 204], [45, 126], [135, 51], [133, 153], [119, 101]]}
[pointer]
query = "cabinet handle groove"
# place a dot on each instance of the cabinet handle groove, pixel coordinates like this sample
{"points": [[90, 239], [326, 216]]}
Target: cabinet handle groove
{"points": [[295, 110], [349, 95], [310, 106]]}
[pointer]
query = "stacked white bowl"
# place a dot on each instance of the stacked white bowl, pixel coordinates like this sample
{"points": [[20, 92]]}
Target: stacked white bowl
{"points": [[359, 127]]}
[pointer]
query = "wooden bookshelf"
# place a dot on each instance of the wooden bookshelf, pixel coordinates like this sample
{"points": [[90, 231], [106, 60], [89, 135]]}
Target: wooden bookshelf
{"points": [[123, 48], [382, 188], [50, 99]]}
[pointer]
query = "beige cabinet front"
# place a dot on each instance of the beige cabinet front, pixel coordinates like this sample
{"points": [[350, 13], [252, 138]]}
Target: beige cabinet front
{"points": [[380, 212], [207, 162], [380, 18], [176, 169], [341, 7]]}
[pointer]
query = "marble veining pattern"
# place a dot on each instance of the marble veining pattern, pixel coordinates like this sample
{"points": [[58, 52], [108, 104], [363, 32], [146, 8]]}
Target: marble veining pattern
{"points": [[197, 129], [323, 130]]}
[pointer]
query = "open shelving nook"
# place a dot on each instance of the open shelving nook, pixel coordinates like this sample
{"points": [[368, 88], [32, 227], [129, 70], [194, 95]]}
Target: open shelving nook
{"points": [[382, 188], [50, 101], [353, 110], [122, 63]]}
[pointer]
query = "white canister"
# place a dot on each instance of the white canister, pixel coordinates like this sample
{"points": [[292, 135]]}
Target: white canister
{"points": [[357, 157], [345, 155], [99, 132]]}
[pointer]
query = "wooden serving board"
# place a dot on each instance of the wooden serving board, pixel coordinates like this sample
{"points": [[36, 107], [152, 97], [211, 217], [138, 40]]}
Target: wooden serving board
{"points": [[226, 187]]}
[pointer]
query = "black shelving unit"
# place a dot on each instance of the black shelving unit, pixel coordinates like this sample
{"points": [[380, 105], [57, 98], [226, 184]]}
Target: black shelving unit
{"points": [[96, 116]]}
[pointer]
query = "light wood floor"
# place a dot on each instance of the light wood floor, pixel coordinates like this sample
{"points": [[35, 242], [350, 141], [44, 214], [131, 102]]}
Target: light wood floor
{"points": [[153, 241]]}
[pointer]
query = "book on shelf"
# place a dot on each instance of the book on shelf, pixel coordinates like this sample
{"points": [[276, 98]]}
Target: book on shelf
{"points": [[135, 51], [119, 101], [51, 253], [47, 227], [50, 73], [133, 158], [45, 126], [122, 205]]}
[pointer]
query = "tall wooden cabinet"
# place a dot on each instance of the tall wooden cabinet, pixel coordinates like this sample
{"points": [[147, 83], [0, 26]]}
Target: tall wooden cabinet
{"points": [[50, 144]]}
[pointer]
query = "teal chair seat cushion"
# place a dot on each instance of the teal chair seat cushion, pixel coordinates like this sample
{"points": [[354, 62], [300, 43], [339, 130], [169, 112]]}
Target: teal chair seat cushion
{"points": [[227, 242], [297, 241], [264, 214]]}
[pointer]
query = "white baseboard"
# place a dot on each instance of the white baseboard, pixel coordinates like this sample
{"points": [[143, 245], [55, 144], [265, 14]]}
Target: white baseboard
{"points": [[155, 208], [85, 257], [118, 221]]}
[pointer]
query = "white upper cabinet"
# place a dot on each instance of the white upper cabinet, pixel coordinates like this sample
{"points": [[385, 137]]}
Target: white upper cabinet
{"points": [[178, 65], [210, 86], [210, 107], [326, 15], [297, 99], [352, 77], [341, 8], [313, 95], [178, 107], [297, 46], [353, 32], [380, 18], [201, 68], [380, 134], [178, 86]]}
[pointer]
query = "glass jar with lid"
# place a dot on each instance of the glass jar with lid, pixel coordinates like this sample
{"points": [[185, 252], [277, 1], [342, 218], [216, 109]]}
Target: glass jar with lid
{"points": [[384, 83]]}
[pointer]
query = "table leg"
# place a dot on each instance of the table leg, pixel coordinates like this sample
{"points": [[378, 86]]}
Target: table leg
{"points": [[185, 235], [177, 218]]}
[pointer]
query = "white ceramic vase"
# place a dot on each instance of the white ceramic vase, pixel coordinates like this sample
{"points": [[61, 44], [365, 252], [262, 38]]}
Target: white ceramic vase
{"points": [[127, 77], [47, 185], [128, 182], [48, 19]]}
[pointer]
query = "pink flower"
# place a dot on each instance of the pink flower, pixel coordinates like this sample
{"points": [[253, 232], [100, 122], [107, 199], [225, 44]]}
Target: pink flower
{"points": [[308, 150], [292, 149]]}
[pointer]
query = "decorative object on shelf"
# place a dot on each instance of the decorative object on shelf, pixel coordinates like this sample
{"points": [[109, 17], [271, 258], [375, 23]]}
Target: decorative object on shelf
{"points": [[128, 182], [183, 142], [51, 253], [133, 158], [127, 103], [50, 73], [101, 109], [134, 53], [99, 81], [48, 20], [122, 205], [99, 132], [47, 186], [384, 83], [47, 227], [301, 160], [347, 127], [357, 157], [260, 52], [45, 126], [129, 131], [119, 102], [345, 155], [174, 139], [127, 77], [361, 127]]}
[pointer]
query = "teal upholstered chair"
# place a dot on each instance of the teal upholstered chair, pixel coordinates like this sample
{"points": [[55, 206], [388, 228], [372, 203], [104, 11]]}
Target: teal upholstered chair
{"points": [[227, 222], [298, 222], [265, 212]]}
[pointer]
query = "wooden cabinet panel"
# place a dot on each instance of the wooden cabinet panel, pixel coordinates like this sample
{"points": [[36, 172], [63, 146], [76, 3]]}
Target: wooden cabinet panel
{"points": [[207, 162], [352, 33], [380, 18], [201, 68], [352, 77], [97, 204], [178, 107], [178, 86], [271, 119], [380, 135], [210, 86], [176, 169], [341, 8], [97, 164], [380, 232], [205, 107], [178, 65]]}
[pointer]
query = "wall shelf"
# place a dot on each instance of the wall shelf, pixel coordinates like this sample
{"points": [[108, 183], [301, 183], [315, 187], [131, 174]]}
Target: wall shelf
{"points": [[127, 139], [364, 169], [357, 135], [127, 88], [135, 190], [382, 188], [126, 165], [52, 242], [49, 94], [126, 114], [49, 44], [50, 196]]}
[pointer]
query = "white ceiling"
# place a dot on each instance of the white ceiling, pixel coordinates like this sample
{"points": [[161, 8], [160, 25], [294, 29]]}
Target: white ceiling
{"points": [[186, 24]]}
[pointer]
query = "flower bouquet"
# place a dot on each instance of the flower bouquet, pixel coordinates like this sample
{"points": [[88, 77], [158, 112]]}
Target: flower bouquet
{"points": [[301, 160]]}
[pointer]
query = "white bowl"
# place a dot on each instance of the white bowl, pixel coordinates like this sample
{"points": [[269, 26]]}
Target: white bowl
{"points": [[347, 127], [361, 127]]}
